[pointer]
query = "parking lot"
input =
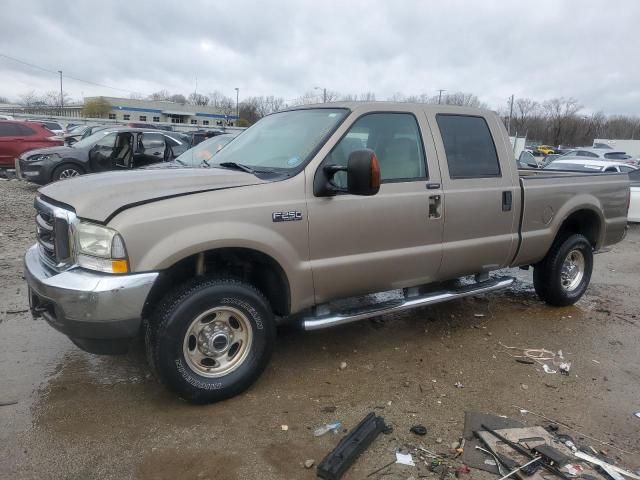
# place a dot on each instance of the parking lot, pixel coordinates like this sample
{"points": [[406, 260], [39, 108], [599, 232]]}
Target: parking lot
{"points": [[69, 414]]}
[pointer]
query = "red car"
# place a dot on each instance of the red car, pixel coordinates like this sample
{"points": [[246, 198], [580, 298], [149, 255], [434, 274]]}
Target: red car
{"points": [[18, 137]]}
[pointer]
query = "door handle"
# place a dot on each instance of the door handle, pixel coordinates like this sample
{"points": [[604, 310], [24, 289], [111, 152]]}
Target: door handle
{"points": [[433, 186], [507, 201], [435, 201]]}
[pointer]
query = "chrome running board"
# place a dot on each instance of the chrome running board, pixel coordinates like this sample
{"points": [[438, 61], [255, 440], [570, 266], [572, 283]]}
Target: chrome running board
{"points": [[330, 320]]}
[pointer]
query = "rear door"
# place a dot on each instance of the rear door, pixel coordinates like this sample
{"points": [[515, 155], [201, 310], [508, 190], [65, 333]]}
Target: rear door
{"points": [[388, 240], [481, 193], [151, 149]]}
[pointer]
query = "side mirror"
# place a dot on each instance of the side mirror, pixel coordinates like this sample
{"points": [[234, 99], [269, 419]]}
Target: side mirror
{"points": [[363, 176]]}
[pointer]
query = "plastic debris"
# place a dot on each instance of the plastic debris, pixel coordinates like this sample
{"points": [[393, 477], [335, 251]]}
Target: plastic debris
{"points": [[404, 458], [462, 470], [548, 369], [327, 427], [308, 463], [564, 368], [573, 469], [419, 430], [458, 385], [637, 414], [284, 427], [343, 365]]}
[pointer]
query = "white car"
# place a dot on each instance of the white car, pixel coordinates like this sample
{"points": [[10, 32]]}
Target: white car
{"points": [[50, 125], [634, 204], [599, 153], [588, 165]]}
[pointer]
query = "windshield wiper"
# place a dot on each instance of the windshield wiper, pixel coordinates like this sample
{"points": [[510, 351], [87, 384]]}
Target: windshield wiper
{"points": [[180, 162], [237, 166]]}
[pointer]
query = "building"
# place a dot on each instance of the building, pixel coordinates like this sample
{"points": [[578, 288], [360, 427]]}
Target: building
{"points": [[164, 111]]}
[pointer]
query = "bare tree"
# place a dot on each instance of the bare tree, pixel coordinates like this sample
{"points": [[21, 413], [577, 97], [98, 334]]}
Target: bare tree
{"points": [[4, 99], [227, 105], [177, 98], [136, 96], [216, 97], [52, 98], [159, 95], [29, 98], [559, 112], [198, 99]]}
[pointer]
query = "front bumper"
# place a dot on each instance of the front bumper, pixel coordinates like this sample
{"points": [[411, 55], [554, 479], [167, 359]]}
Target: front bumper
{"points": [[37, 172], [96, 310]]}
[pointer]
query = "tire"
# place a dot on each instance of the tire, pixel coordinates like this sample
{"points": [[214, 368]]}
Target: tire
{"points": [[560, 287], [211, 339], [66, 171]]}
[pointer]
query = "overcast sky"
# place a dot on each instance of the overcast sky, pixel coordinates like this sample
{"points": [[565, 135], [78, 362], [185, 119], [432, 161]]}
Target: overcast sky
{"points": [[540, 49]]}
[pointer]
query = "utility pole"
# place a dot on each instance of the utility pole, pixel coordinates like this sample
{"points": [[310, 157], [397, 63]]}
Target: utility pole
{"points": [[61, 96], [237, 104], [324, 93], [440, 95], [510, 115]]}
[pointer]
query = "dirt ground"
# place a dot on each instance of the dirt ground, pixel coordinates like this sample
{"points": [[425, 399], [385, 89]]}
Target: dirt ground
{"points": [[68, 414]]}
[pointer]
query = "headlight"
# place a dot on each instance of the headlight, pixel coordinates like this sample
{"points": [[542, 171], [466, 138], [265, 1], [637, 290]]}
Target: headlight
{"points": [[101, 248]]}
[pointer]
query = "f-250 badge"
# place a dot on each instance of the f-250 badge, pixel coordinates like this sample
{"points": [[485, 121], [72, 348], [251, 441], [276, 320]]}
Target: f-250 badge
{"points": [[291, 216]]}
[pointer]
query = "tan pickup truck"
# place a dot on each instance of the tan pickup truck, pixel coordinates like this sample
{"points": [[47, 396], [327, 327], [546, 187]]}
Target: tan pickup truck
{"points": [[308, 206]]}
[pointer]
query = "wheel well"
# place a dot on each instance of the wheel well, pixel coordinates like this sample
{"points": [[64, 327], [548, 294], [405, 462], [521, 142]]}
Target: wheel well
{"points": [[585, 222], [251, 266]]}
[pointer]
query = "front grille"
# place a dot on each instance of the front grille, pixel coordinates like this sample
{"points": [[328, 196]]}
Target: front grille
{"points": [[52, 234]]}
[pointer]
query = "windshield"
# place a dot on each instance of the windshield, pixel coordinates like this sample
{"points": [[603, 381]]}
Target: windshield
{"points": [[91, 139], [202, 153], [282, 141]]}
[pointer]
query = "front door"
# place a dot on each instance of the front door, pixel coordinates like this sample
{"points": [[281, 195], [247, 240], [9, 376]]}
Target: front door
{"points": [[482, 196], [150, 149], [386, 241], [102, 152]]}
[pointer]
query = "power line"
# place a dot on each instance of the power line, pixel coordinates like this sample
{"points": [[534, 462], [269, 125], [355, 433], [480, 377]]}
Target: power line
{"points": [[54, 72]]}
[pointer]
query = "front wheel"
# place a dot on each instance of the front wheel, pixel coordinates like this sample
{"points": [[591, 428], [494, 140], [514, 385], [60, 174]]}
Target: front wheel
{"points": [[564, 275], [211, 339], [66, 171]]}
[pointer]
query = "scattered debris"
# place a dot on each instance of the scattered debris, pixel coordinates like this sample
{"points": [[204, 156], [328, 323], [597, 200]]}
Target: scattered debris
{"points": [[458, 385], [343, 365], [478, 315], [327, 427], [284, 427], [524, 386], [526, 361], [8, 402], [404, 458], [381, 468], [601, 442], [329, 409], [545, 358], [308, 463], [606, 466], [338, 461], [419, 430], [439, 440], [637, 414], [462, 470], [573, 469]]}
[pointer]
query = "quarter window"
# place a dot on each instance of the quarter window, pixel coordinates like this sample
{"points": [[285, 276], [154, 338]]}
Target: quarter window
{"points": [[395, 139], [469, 146]]}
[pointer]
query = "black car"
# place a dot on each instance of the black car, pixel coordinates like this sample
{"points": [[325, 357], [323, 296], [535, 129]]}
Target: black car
{"points": [[199, 136], [110, 149]]}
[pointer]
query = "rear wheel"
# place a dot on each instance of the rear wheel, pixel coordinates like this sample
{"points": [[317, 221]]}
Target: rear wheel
{"points": [[564, 275], [211, 339], [66, 171]]}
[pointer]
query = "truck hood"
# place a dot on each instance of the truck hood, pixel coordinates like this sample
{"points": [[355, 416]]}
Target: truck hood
{"points": [[101, 196]]}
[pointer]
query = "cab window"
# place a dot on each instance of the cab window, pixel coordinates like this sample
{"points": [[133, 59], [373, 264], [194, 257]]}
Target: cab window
{"points": [[395, 139]]}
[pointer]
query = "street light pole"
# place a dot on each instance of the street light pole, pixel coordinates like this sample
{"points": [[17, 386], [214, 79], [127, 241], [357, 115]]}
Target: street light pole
{"points": [[61, 96], [324, 93], [440, 95], [237, 104]]}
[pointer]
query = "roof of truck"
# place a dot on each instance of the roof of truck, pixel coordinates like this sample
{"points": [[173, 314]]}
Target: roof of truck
{"points": [[390, 106]]}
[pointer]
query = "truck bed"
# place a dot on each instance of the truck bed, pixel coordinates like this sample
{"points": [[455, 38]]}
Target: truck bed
{"points": [[548, 198]]}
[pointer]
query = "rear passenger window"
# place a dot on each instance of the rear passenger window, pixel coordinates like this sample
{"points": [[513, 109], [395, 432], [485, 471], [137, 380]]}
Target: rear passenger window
{"points": [[396, 141], [14, 130], [469, 146]]}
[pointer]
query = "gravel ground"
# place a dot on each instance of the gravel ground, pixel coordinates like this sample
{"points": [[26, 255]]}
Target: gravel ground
{"points": [[68, 414]]}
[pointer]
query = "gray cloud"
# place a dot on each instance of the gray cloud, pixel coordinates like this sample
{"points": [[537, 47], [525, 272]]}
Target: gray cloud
{"points": [[543, 49]]}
